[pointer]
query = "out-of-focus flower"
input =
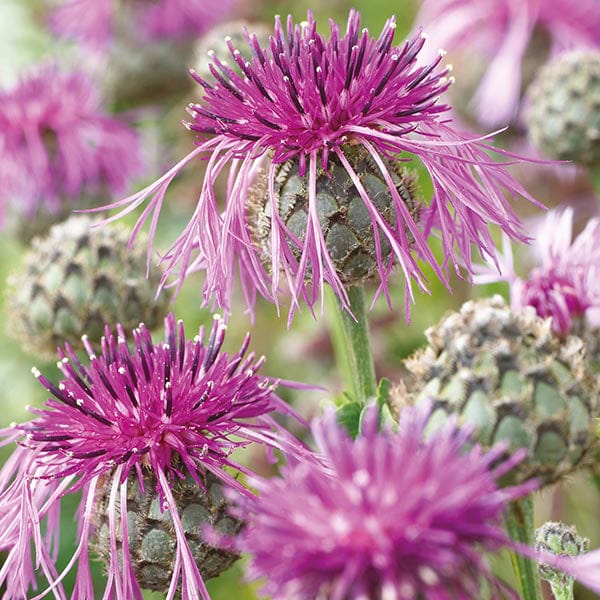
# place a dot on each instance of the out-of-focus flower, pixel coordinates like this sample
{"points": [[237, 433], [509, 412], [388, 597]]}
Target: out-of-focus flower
{"points": [[93, 21], [399, 515], [307, 114], [58, 146], [135, 423], [564, 284], [503, 31], [389, 515]]}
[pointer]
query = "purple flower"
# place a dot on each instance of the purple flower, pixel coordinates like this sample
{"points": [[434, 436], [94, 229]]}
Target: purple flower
{"points": [[176, 409], [389, 515], [565, 282], [502, 31], [314, 101], [93, 21], [57, 145]]}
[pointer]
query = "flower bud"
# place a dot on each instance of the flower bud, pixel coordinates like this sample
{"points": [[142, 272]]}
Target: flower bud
{"points": [[75, 280], [514, 380], [563, 108], [557, 538]]}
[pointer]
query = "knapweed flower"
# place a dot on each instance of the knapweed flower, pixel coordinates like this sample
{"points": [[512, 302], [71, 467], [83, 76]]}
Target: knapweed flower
{"points": [[315, 127], [389, 515], [59, 145], [504, 32], [135, 431], [93, 21], [564, 284]]}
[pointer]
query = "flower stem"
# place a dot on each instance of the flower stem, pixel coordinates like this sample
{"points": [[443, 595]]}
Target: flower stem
{"points": [[519, 524], [595, 179], [352, 345]]}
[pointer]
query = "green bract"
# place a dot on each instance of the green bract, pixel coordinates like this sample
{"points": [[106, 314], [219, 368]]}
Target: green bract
{"points": [[509, 376], [77, 279], [563, 108]]}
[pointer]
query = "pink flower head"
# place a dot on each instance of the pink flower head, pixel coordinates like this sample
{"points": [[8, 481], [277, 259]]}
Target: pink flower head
{"points": [[502, 30], [178, 408], [399, 515], [57, 145], [93, 21], [565, 281], [392, 515], [307, 98]]}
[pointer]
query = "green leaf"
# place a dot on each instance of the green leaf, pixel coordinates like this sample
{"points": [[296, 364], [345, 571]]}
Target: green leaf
{"points": [[349, 416], [383, 392], [383, 397], [344, 398]]}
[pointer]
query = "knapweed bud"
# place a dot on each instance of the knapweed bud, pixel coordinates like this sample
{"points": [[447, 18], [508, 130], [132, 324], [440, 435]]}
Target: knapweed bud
{"points": [[344, 218], [75, 280], [509, 376], [139, 74], [563, 108], [150, 533], [554, 537], [39, 224]]}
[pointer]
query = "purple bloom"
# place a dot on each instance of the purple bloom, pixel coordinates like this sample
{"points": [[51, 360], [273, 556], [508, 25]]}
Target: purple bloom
{"points": [[57, 145], [565, 282], [176, 408], [93, 21], [502, 31], [389, 515], [312, 99]]}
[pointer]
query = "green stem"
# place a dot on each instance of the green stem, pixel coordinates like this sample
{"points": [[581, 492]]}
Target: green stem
{"points": [[352, 345], [595, 179], [519, 524]]}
